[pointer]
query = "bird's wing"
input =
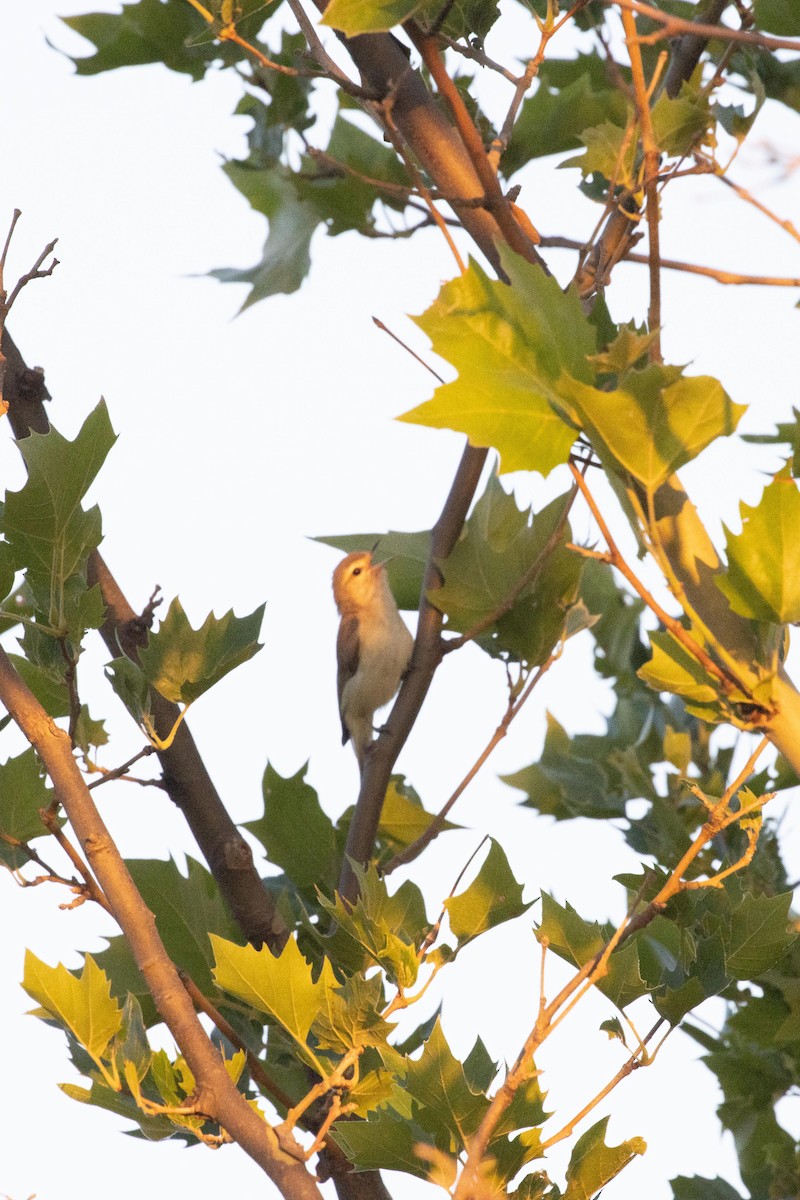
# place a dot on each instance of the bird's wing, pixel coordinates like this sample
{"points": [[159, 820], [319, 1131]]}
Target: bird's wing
{"points": [[347, 655]]}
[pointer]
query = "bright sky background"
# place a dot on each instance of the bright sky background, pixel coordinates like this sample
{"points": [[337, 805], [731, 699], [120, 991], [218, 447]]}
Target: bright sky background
{"points": [[242, 438]]}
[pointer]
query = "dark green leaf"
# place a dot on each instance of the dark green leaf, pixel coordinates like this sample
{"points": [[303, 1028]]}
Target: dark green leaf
{"points": [[22, 794], [385, 1142], [291, 805]]}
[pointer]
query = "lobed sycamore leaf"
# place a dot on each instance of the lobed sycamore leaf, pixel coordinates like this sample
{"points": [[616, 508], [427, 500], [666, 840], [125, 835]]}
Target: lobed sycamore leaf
{"points": [[83, 1004], [758, 936], [155, 1128], [763, 577], [350, 1016], [696, 1187], [128, 681], [565, 783], [518, 351], [291, 804], [497, 548], [571, 97], [283, 987], [182, 663], [384, 929], [446, 1105], [609, 152], [494, 896], [681, 123], [23, 793], [577, 941], [593, 1164], [656, 422], [285, 259], [159, 31], [368, 16], [49, 532], [384, 1142]]}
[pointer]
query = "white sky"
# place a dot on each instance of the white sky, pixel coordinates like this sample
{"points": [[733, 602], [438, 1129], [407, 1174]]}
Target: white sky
{"points": [[241, 438]]}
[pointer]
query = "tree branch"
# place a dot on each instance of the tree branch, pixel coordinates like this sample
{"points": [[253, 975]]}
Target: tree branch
{"points": [[218, 1095], [185, 777]]}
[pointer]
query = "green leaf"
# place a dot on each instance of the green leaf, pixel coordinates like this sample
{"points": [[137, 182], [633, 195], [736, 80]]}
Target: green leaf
{"points": [[22, 794], [403, 819], [285, 260], [607, 153], [494, 896], [291, 805], [350, 1016], [182, 663], [777, 16], [129, 683], [681, 124], [81, 1004], [577, 941], [131, 1050], [758, 935], [384, 929], [368, 16], [673, 669], [572, 96], [345, 200], [565, 784], [155, 1129], [763, 577], [657, 422], [49, 532], [384, 1142], [518, 351], [699, 1188], [282, 986], [498, 546], [446, 1104], [593, 1164], [157, 31]]}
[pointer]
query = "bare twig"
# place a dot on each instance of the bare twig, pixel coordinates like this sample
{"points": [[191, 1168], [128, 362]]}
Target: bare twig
{"points": [[385, 329], [437, 824], [650, 149], [670, 264], [670, 26], [122, 771]]}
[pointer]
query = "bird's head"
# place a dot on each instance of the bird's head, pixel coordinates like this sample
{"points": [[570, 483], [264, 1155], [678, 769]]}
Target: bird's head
{"points": [[357, 581]]}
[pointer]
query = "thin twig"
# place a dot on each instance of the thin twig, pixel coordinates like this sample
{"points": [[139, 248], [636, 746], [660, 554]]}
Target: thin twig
{"points": [[671, 264], [437, 824], [92, 887], [478, 56], [385, 329], [651, 157], [674, 25], [119, 772]]}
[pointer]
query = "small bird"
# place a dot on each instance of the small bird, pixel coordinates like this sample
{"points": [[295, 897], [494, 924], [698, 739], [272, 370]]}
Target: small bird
{"points": [[373, 648]]}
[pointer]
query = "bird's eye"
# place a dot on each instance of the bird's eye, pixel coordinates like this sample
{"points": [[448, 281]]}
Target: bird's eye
{"points": [[357, 570]]}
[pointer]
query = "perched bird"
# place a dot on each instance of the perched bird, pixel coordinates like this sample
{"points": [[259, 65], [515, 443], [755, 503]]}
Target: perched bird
{"points": [[373, 648]]}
